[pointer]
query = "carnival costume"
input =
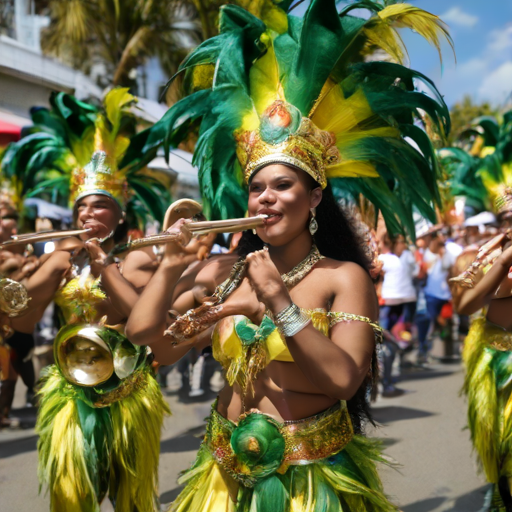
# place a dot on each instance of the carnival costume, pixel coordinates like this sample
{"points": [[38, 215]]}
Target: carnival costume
{"points": [[15, 347], [272, 88], [101, 409], [487, 350]]}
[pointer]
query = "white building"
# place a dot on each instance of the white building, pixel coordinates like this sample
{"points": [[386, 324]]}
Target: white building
{"points": [[26, 76]]}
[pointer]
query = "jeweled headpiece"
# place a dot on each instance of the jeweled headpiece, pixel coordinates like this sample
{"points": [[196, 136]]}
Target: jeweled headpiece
{"points": [[285, 137], [485, 167], [275, 88], [99, 176], [76, 149]]}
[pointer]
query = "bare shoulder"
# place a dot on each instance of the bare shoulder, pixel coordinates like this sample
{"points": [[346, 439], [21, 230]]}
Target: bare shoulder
{"points": [[139, 266], [349, 287], [216, 271], [343, 272], [140, 259]]}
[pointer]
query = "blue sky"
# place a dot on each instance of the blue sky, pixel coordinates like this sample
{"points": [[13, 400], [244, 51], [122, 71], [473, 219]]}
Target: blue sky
{"points": [[482, 33]]}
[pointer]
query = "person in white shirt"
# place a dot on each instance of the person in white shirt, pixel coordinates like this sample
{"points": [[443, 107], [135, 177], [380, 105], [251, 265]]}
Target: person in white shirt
{"points": [[398, 293], [439, 258]]}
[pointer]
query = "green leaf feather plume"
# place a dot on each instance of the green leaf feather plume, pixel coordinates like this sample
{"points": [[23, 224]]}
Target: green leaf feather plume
{"points": [[481, 163], [320, 65], [63, 139]]}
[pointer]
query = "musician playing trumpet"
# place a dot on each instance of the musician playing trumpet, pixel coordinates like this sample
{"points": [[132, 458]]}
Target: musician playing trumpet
{"points": [[100, 397], [486, 286]]}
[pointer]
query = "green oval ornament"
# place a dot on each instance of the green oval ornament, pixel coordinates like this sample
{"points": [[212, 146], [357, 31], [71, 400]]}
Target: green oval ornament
{"points": [[258, 444]]}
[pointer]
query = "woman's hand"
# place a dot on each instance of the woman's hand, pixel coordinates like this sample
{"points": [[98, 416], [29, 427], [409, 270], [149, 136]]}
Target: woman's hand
{"points": [[186, 249], [98, 257], [244, 301], [266, 281]]}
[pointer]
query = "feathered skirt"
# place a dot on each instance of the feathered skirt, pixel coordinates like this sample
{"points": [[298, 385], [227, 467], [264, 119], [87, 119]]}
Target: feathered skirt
{"points": [[109, 444], [261, 465], [488, 386]]}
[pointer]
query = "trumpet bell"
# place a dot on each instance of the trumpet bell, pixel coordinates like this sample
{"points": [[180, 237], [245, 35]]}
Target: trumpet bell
{"points": [[13, 297], [91, 355], [83, 356]]}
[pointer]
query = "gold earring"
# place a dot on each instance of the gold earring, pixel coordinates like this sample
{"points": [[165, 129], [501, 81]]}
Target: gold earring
{"points": [[313, 224], [253, 231]]}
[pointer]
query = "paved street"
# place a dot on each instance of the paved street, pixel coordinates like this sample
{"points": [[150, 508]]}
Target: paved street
{"points": [[423, 431]]}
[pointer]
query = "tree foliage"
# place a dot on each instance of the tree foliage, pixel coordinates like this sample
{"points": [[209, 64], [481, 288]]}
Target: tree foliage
{"points": [[118, 36], [464, 112]]}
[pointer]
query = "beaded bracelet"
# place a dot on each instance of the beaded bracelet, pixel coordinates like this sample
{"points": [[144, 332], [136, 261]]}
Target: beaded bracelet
{"points": [[291, 320]]}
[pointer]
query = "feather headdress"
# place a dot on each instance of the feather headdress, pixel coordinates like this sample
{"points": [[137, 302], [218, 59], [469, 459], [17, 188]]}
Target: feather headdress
{"points": [[74, 149], [481, 168], [278, 88]]}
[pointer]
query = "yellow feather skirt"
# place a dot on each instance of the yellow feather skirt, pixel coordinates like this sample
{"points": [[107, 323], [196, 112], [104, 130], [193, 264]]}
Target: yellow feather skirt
{"points": [[488, 386], [86, 452], [346, 481]]}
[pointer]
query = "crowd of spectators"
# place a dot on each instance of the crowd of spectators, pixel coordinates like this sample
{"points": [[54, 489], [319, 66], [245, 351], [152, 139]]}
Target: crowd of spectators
{"points": [[415, 295]]}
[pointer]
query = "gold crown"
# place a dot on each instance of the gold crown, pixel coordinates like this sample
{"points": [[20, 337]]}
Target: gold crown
{"points": [[285, 137], [99, 176]]}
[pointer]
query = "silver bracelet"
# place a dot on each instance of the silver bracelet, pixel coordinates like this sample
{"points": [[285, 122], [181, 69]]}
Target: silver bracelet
{"points": [[291, 320]]}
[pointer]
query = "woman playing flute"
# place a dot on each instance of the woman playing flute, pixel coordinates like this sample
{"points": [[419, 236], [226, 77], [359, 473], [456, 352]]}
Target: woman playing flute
{"points": [[293, 317]]}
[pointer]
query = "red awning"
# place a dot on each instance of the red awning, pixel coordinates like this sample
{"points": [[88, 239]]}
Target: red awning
{"points": [[9, 132]]}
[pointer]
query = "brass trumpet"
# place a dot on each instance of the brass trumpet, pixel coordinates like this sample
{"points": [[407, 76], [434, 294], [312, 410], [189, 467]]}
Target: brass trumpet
{"points": [[195, 229], [487, 255], [43, 236], [183, 208]]}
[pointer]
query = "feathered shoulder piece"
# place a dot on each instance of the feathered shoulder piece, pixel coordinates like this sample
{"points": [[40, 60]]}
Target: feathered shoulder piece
{"points": [[75, 149], [275, 88]]}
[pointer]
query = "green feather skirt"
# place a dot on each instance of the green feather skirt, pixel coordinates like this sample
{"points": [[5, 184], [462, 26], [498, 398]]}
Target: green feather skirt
{"points": [[87, 452], [488, 386], [250, 473]]}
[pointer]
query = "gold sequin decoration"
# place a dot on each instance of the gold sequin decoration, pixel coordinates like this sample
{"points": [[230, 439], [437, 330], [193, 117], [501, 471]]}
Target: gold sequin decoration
{"points": [[337, 317], [79, 299], [309, 149], [498, 338], [307, 440], [128, 386]]}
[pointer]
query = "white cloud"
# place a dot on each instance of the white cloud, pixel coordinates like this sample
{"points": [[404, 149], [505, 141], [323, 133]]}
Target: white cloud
{"points": [[497, 85], [456, 16], [500, 39]]}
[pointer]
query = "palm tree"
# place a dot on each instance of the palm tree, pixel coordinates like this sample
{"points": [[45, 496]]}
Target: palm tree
{"points": [[118, 36]]}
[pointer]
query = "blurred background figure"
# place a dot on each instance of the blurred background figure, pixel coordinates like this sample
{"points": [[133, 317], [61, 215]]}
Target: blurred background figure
{"points": [[436, 259], [398, 304]]}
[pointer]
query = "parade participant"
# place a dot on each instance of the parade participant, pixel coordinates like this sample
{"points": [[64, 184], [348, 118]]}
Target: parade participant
{"points": [[486, 286], [101, 409], [295, 323], [15, 347]]}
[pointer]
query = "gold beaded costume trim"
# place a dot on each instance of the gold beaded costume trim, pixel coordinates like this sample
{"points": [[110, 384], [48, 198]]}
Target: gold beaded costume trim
{"points": [[497, 337], [128, 386], [337, 316], [307, 440]]}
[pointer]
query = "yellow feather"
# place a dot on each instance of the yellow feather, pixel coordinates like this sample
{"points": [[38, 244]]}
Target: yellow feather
{"points": [[381, 30], [264, 78], [483, 407], [65, 468], [383, 36], [268, 12], [250, 121], [227, 348], [352, 169], [115, 103], [337, 114], [201, 77]]}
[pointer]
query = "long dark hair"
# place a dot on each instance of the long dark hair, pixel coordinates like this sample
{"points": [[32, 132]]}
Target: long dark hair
{"points": [[336, 238]]}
